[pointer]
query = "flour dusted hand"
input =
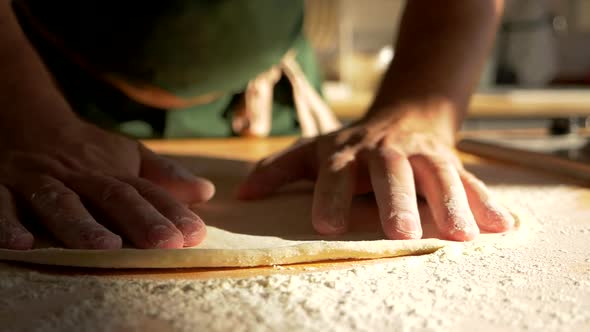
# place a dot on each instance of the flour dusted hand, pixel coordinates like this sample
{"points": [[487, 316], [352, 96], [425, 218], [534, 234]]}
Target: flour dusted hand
{"points": [[89, 188], [397, 160]]}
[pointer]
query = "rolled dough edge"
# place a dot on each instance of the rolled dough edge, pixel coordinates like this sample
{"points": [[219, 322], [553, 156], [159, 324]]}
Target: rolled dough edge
{"points": [[217, 258]]}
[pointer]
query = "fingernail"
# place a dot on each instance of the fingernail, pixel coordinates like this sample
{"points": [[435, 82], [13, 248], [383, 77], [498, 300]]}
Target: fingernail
{"points": [[181, 173], [108, 242], [161, 236], [21, 241], [190, 227], [401, 226], [498, 219], [407, 226], [464, 229], [204, 188], [330, 224], [336, 221], [335, 217], [329, 227]]}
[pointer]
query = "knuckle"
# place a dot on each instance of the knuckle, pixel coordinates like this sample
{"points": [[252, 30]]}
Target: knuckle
{"points": [[401, 198], [117, 191], [401, 217], [390, 153], [340, 160], [418, 158], [431, 160], [441, 163], [353, 137], [469, 177], [89, 233], [148, 189], [40, 163], [51, 194], [72, 222]]}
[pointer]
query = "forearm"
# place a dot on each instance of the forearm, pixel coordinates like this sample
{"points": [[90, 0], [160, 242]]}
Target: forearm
{"points": [[27, 93], [440, 52]]}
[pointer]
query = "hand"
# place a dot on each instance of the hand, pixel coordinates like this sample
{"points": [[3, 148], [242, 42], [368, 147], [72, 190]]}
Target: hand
{"points": [[396, 159], [87, 187]]}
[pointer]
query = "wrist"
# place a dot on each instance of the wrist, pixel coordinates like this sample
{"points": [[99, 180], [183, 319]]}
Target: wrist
{"points": [[34, 119], [433, 116]]}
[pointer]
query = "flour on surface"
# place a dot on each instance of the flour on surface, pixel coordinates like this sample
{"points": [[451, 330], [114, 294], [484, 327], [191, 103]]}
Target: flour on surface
{"points": [[539, 283]]}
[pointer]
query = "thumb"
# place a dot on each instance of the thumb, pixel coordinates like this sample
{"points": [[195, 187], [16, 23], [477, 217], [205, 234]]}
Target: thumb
{"points": [[278, 170], [177, 180]]}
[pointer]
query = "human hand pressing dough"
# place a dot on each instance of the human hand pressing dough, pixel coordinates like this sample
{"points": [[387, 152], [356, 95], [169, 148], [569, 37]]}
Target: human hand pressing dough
{"points": [[89, 187], [397, 160]]}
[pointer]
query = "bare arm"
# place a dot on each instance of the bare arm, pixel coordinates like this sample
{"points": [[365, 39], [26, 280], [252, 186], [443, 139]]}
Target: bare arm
{"points": [[440, 52], [28, 96]]}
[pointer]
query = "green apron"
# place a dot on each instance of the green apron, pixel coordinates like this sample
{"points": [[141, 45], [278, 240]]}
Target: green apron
{"points": [[187, 47]]}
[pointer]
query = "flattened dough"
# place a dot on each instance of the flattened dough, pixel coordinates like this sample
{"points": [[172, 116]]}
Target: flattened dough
{"points": [[241, 234]]}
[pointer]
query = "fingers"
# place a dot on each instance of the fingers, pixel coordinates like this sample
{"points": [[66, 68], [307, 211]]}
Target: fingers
{"points": [[177, 180], [62, 212], [13, 235], [489, 214], [190, 225], [393, 184], [128, 211], [439, 181], [333, 195], [277, 171]]}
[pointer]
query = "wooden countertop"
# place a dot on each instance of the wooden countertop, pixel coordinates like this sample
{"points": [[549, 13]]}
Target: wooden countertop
{"points": [[505, 103], [253, 149], [236, 148]]}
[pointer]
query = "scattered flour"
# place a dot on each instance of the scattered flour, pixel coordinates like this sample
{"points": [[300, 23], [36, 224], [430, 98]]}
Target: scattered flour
{"points": [[542, 283]]}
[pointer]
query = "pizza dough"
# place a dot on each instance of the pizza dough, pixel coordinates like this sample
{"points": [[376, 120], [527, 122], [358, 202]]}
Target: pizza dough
{"points": [[273, 231]]}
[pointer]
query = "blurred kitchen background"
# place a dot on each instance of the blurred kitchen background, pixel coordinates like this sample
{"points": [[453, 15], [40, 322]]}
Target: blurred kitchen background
{"points": [[537, 77]]}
